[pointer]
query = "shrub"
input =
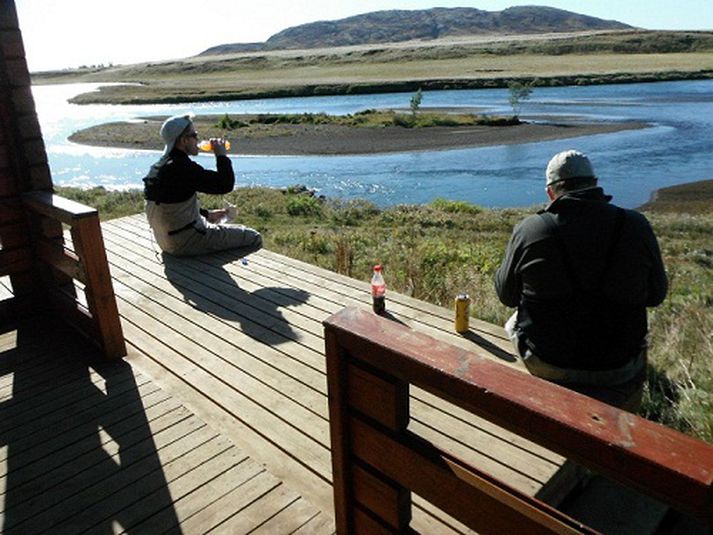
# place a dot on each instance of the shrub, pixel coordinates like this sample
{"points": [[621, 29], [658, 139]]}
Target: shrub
{"points": [[226, 123], [455, 207], [403, 121], [304, 205]]}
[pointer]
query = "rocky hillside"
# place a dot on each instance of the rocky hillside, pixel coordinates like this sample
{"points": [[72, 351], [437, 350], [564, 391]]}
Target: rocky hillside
{"points": [[399, 25]]}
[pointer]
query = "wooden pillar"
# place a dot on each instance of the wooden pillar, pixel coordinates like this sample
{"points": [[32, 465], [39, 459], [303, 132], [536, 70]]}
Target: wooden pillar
{"points": [[89, 245], [366, 501]]}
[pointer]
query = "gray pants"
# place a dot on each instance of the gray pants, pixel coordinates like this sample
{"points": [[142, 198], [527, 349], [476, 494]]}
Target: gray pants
{"points": [[238, 238], [622, 387]]}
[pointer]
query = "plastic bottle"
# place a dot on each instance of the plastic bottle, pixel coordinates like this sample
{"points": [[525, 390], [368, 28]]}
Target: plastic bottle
{"points": [[206, 146], [378, 291]]}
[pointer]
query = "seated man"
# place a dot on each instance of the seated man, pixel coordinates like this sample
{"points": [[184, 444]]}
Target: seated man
{"points": [[581, 273], [179, 225]]}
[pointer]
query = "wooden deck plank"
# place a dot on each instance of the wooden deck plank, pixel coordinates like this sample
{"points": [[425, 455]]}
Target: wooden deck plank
{"points": [[225, 297], [91, 468], [83, 508], [40, 454], [296, 513], [194, 501], [184, 485], [260, 512], [20, 417], [320, 524], [135, 488], [227, 506], [149, 278]]}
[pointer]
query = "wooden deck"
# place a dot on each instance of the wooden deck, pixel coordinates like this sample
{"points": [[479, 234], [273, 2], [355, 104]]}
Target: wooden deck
{"points": [[101, 448], [225, 383]]}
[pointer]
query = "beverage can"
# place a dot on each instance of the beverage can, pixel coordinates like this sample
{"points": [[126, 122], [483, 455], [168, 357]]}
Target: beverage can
{"points": [[462, 306]]}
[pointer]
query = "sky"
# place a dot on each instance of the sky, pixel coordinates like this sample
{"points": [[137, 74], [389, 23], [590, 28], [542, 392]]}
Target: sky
{"points": [[70, 33]]}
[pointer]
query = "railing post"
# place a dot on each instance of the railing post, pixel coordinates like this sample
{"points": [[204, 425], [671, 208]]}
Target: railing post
{"points": [[89, 246], [366, 501]]}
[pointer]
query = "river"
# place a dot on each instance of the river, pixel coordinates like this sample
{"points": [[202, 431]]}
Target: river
{"points": [[675, 148]]}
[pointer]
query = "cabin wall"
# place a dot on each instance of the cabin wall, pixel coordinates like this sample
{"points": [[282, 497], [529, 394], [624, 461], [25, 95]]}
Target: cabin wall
{"points": [[23, 164]]}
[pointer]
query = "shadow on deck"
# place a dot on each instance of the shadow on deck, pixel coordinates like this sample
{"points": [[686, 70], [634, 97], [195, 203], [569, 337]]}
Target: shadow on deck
{"points": [[94, 446]]}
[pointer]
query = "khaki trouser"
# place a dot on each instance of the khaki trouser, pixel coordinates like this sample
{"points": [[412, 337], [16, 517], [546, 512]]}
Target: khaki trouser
{"points": [[181, 230], [622, 387]]}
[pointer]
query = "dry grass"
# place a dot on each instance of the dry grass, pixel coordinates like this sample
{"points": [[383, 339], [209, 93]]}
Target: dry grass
{"points": [[490, 61]]}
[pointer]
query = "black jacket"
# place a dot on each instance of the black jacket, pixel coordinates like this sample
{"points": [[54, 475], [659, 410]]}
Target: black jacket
{"points": [[180, 178], [580, 304]]}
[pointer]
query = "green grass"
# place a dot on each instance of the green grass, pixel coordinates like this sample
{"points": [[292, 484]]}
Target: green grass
{"points": [[370, 119], [435, 251]]}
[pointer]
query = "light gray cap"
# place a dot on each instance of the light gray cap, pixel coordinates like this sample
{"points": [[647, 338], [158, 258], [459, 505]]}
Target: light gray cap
{"points": [[172, 128], [568, 164]]}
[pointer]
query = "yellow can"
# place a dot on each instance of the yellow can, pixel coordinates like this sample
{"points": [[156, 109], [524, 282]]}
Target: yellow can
{"points": [[462, 313]]}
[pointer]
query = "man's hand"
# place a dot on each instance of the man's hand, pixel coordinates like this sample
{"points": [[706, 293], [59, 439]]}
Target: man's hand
{"points": [[219, 148], [217, 216]]}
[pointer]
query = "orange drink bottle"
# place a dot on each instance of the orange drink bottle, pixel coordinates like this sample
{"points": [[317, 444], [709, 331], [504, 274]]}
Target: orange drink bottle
{"points": [[206, 145]]}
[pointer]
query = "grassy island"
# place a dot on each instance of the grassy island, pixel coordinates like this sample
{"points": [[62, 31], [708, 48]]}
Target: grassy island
{"points": [[366, 132]]}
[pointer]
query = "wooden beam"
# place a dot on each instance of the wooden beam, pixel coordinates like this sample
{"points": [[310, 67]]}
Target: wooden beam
{"points": [[474, 498], [57, 256], [654, 459], [53, 206], [15, 261], [89, 246]]}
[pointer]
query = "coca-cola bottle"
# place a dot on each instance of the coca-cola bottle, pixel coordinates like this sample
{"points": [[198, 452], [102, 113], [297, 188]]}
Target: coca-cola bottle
{"points": [[378, 291]]}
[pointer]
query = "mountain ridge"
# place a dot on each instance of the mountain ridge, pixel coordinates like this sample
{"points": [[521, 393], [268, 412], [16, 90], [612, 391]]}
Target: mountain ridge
{"points": [[423, 24]]}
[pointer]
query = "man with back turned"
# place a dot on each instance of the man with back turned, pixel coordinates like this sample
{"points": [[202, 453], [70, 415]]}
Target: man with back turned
{"points": [[581, 273]]}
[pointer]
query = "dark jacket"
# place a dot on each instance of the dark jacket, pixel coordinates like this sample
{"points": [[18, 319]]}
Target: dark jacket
{"points": [[180, 177], [582, 297]]}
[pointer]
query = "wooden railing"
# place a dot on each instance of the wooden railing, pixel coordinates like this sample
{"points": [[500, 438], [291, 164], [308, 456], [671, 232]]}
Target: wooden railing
{"points": [[377, 462], [86, 263]]}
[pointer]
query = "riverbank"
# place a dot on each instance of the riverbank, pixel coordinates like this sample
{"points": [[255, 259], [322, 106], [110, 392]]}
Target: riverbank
{"points": [[690, 198], [336, 139]]}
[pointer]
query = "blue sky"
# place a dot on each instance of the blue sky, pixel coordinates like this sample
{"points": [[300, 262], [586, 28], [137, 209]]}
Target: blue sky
{"points": [[69, 33]]}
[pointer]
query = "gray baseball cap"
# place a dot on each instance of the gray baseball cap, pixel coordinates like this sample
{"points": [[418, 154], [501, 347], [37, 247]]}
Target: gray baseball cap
{"points": [[172, 128], [569, 164]]}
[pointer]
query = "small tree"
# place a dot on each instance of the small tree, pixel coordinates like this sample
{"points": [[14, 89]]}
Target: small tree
{"points": [[416, 101], [518, 93]]}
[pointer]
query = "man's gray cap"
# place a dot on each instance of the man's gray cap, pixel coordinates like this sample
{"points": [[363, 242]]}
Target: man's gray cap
{"points": [[172, 128], [568, 164]]}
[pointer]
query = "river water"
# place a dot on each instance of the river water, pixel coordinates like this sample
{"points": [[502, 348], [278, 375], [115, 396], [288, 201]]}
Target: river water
{"points": [[676, 147]]}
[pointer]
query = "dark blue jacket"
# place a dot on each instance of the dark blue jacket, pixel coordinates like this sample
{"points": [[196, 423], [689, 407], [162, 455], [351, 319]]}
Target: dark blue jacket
{"points": [[584, 307]]}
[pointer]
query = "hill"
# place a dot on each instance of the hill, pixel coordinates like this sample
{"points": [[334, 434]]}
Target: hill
{"points": [[395, 26]]}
